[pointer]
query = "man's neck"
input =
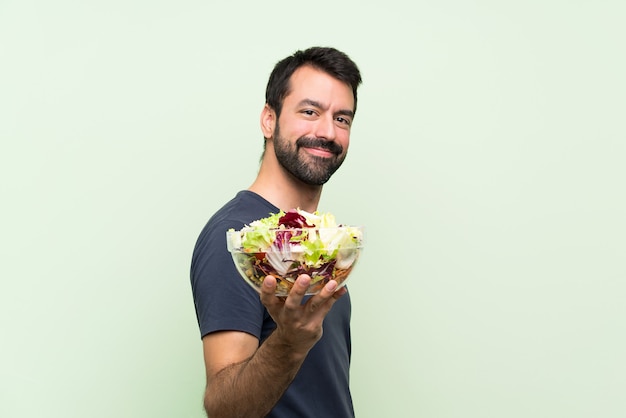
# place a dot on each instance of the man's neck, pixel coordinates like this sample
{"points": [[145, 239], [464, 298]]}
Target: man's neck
{"points": [[284, 191]]}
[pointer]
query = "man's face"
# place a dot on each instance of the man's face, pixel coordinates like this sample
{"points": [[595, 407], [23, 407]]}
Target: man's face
{"points": [[313, 131]]}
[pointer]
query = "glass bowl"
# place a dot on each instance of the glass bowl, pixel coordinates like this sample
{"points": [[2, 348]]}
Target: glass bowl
{"points": [[285, 253]]}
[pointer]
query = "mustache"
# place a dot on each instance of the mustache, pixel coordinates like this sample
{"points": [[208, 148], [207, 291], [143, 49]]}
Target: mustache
{"points": [[310, 142]]}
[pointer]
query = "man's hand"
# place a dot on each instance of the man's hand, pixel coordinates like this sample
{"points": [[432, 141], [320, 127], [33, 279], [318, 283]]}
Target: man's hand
{"points": [[298, 325]]}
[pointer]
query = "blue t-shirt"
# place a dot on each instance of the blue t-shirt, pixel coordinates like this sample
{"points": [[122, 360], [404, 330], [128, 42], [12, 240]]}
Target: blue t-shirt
{"points": [[224, 301]]}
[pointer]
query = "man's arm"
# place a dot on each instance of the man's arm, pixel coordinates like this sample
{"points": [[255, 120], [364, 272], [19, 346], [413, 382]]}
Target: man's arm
{"points": [[245, 379]]}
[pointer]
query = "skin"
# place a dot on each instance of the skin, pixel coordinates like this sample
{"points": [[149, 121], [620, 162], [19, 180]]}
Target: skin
{"points": [[243, 378]]}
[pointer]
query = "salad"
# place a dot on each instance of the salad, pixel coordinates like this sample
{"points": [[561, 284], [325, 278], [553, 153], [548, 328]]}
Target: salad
{"points": [[288, 244]]}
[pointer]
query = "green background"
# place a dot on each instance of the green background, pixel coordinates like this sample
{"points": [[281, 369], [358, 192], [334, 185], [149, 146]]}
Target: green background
{"points": [[487, 164]]}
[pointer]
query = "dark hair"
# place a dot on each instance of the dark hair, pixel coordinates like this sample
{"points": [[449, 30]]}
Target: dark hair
{"points": [[331, 61]]}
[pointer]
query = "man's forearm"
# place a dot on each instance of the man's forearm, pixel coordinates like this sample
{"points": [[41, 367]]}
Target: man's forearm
{"points": [[251, 388]]}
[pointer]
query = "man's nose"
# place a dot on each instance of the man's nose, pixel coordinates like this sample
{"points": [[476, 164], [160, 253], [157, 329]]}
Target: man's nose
{"points": [[325, 128]]}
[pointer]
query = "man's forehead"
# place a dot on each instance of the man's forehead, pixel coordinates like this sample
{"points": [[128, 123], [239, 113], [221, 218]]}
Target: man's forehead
{"points": [[309, 84]]}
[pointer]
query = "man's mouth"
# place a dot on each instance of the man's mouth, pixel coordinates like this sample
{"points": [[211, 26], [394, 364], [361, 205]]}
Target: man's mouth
{"points": [[319, 147], [318, 152]]}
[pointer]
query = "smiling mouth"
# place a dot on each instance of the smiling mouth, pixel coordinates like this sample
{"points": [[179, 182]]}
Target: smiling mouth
{"points": [[320, 152], [319, 147]]}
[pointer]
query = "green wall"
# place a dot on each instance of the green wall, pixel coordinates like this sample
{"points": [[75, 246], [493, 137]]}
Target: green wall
{"points": [[487, 163]]}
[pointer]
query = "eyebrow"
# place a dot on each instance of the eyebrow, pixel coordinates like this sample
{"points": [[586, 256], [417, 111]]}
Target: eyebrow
{"points": [[315, 103]]}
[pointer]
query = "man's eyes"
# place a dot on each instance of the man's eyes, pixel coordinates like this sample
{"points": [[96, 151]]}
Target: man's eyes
{"points": [[346, 121], [341, 119]]}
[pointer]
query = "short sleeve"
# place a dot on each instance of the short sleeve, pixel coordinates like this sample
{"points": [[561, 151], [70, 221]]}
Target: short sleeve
{"points": [[223, 300]]}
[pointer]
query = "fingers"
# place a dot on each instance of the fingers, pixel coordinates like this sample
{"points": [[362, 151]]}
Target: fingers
{"points": [[328, 290], [325, 298], [298, 291], [269, 286], [268, 290]]}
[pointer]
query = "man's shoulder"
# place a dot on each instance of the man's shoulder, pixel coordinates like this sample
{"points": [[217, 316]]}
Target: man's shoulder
{"points": [[242, 209]]}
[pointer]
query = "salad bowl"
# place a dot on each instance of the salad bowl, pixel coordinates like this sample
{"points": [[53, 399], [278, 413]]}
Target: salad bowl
{"points": [[288, 244]]}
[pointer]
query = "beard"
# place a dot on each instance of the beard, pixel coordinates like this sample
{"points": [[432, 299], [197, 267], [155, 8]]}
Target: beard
{"points": [[309, 169]]}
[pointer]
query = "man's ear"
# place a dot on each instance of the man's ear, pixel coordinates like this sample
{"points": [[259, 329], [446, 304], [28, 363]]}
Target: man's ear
{"points": [[268, 122]]}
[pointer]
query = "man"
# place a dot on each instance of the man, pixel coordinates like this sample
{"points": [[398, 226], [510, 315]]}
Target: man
{"points": [[265, 355]]}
